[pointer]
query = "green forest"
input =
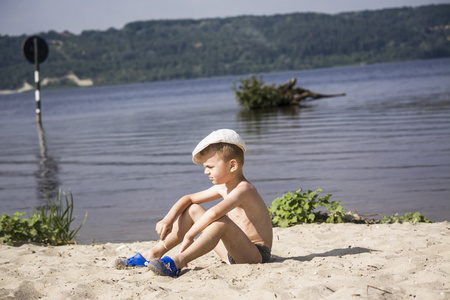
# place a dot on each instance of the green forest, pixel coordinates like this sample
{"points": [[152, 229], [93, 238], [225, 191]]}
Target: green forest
{"points": [[181, 49]]}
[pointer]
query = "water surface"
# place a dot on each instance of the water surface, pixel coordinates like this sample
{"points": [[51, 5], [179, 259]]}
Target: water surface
{"points": [[125, 151]]}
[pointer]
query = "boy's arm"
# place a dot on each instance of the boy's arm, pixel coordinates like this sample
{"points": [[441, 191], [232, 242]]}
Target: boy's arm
{"points": [[214, 213], [164, 227]]}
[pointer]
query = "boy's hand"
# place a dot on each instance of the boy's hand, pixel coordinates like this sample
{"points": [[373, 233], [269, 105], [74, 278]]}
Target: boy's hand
{"points": [[186, 243], [163, 228]]}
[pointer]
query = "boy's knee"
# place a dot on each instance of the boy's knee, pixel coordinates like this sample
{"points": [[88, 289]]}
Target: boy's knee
{"points": [[195, 208], [195, 211], [222, 222]]}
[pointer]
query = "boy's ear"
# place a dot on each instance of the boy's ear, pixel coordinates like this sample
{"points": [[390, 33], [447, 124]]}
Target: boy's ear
{"points": [[233, 165]]}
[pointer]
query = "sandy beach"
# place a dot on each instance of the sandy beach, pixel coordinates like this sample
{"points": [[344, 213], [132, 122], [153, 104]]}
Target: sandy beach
{"points": [[311, 261]]}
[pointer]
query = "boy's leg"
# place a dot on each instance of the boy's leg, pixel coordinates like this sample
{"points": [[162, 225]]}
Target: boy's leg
{"points": [[234, 239], [180, 227], [222, 251]]}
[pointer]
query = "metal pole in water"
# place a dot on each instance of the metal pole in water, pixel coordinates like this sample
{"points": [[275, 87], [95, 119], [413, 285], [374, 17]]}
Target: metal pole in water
{"points": [[37, 93], [35, 50]]}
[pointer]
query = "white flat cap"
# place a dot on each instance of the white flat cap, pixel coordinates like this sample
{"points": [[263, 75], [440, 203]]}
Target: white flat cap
{"points": [[219, 136]]}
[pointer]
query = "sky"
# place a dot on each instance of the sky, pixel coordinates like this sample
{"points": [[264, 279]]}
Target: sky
{"points": [[29, 17]]}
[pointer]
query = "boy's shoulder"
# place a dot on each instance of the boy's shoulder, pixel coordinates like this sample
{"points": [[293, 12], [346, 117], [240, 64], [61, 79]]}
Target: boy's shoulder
{"points": [[242, 189], [245, 186]]}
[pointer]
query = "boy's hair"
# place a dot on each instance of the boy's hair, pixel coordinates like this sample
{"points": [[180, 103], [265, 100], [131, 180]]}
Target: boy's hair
{"points": [[226, 151]]}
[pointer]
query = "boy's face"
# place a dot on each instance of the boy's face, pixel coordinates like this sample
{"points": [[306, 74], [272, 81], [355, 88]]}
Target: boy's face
{"points": [[216, 168]]}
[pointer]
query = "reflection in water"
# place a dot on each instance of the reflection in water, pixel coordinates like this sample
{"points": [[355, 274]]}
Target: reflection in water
{"points": [[47, 173], [255, 121]]}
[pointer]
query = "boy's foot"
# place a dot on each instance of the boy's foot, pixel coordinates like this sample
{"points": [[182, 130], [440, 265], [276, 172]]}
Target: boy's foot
{"points": [[164, 267], [135, 261]]}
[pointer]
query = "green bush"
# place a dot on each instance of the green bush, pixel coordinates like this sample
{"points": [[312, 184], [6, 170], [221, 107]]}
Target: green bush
{"points": [[291, 209], [408, 217], [252, 93], [50, 224]]}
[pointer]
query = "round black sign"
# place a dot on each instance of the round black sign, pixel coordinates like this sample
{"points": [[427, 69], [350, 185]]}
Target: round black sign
{"points": [[28, 49]]}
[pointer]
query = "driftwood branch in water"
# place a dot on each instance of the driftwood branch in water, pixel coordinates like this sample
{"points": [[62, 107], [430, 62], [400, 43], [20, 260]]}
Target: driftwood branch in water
{"points": [[293, 95], [253, 94]]}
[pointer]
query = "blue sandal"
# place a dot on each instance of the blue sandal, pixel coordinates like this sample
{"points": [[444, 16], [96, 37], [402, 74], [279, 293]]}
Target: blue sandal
{"points": [[164, 267], [135, 261]]}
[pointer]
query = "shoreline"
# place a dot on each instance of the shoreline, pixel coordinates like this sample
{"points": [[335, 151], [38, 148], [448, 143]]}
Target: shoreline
{"points": [[70, 77], [310, 261]]}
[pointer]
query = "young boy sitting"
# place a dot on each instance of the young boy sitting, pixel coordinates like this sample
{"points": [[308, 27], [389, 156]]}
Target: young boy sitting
{"points": [[238, 228]]}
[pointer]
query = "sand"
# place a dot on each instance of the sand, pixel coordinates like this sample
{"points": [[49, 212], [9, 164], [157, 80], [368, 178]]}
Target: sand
{"points": [[311, 261]]}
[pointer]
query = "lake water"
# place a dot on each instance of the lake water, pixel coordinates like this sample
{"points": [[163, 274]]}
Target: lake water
{"points": [[125, 151]]}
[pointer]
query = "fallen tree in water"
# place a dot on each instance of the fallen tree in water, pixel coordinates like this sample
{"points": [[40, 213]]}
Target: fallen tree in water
{"points": [[253, 94]]}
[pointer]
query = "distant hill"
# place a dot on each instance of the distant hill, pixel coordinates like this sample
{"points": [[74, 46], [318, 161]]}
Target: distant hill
{"points": [[181, 49]]}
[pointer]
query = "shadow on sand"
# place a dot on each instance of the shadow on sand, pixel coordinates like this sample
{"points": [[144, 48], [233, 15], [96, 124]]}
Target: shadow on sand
{"points": [[335, 252]]}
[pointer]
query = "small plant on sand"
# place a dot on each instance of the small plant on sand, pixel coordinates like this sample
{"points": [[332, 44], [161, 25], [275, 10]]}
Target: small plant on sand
{"points": [[408, 217], [50, 224], [298, 207], [291, 209]]}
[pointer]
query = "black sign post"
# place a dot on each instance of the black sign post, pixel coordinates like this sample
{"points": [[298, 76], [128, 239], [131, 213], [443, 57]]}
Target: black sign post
{"points": [[35, 50]]}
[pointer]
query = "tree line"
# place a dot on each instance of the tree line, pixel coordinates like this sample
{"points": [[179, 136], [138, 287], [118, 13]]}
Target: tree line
{"points": [[182, 49]]}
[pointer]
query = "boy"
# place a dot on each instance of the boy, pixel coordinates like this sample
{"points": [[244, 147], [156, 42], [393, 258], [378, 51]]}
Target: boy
{"points": [[238, 228]]}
